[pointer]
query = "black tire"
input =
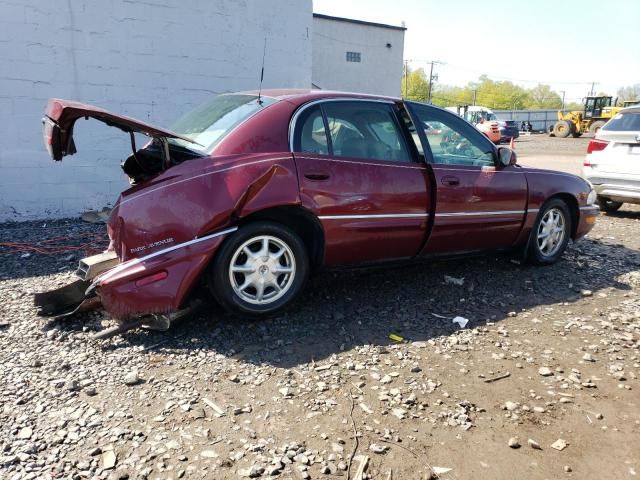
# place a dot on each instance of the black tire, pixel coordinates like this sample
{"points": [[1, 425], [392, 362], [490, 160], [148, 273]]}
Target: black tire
{"points": [[536, 255], [562, 129], [223, 285], [607, 205], [595, 126]]}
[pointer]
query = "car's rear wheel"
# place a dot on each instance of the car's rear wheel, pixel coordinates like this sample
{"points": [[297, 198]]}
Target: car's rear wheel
{"points": [[609, 205], [551, 233], [259, 270]]}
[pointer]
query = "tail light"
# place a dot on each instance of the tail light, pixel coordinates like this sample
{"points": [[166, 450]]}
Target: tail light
{"points": [[595, 145], [51, 137]]}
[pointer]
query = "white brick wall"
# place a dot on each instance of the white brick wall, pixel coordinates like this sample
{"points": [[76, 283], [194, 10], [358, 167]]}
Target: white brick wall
{"points": [[151, 59], [380, 69]]}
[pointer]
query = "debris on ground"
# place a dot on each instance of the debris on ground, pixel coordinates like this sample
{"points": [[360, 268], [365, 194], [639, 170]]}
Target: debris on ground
{"points": [[224, 398]]}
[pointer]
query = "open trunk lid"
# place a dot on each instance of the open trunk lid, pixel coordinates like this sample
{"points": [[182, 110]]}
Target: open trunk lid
{"points": [[61, 115]]}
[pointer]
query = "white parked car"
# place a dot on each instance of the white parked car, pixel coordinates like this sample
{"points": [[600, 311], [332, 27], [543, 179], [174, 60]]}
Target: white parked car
{"points": [[612, 163]]}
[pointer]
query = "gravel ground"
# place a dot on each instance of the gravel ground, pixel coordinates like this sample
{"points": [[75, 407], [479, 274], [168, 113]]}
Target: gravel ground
{"points": [[542, 144], [543, 379]]}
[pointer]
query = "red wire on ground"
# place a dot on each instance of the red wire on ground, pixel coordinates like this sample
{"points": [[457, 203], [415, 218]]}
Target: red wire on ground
{"points": [[90, 242]]}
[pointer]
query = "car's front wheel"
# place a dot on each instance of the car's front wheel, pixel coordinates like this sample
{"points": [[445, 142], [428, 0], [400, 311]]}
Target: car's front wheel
{"points": [[551, 233], [259, 270]]}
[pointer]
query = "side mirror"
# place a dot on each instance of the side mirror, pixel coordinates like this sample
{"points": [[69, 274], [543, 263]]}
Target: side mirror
{"points": [[506, 156]]}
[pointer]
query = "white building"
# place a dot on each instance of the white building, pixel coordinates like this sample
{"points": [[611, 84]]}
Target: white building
{"points": [[357, 56], [153, 59]]}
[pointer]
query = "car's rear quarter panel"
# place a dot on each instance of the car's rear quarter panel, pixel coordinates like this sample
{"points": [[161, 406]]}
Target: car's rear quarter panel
{"points": [[182, 205]]}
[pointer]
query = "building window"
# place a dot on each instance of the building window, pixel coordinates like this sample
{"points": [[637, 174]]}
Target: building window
{"points": [[353, 56]]}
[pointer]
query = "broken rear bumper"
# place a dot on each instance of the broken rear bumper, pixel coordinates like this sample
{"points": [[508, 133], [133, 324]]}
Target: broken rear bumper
{"points": [[158, 282]]}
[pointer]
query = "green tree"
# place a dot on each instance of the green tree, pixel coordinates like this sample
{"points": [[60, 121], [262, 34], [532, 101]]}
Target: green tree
{"points": [[573, 106], [500, 95], [626, 94], [542, 97], [417, 85]]}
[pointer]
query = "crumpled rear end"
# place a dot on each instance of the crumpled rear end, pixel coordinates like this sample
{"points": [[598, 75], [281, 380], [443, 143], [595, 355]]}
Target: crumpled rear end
{"points": [[159, 282]]}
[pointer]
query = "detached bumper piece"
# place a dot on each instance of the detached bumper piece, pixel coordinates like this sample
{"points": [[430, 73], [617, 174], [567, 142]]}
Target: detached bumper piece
{"points": [[63, 301], [71, 299]]}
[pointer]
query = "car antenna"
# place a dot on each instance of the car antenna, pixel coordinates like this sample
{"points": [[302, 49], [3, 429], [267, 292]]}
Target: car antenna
{"points": [[264, 51]]}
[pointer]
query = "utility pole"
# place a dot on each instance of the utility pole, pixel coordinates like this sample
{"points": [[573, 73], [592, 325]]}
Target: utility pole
{"points": [[592, 92], [475, 93], [406, 78], [432, 77], [563, 92]]}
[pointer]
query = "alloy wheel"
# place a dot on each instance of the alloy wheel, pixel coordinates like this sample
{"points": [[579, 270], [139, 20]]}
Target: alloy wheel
{"points": [[262, 270], [551, 232]]}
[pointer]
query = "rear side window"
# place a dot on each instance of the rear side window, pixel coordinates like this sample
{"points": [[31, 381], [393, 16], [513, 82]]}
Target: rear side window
{"points": [[368, 130], [629, 121], [310, 135]]}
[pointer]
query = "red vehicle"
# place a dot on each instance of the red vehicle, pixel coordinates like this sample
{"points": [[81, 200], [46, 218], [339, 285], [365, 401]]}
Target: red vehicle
{"points": [[251, 194]]}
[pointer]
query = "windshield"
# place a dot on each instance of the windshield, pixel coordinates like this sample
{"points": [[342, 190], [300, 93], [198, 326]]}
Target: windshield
{"points": [[210, 122]]}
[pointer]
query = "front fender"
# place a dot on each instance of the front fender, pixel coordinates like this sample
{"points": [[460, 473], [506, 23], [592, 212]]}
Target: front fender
{"points": [[545, 184]]}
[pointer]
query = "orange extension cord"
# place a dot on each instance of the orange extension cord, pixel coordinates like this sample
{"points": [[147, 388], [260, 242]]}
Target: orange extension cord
{"points": [[89, 242]]}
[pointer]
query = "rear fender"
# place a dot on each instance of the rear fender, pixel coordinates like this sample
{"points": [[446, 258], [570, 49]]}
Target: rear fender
{"points": [[159, 282], [276, 187]]}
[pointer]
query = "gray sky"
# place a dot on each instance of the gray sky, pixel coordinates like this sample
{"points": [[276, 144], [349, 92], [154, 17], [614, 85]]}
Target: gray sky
{"points": [[566, 44]]}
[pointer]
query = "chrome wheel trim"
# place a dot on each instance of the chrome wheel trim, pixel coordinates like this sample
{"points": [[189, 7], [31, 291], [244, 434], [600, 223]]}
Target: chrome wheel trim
{"points": [[262, 270], [551, 232]]}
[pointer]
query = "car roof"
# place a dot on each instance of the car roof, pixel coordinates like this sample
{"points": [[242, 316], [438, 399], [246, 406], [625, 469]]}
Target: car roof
{"points": [[305, 95], [631, 109]]}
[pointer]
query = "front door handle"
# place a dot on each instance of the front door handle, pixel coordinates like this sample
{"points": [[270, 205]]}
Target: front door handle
{"points": [[317, 176], [450, 180]]}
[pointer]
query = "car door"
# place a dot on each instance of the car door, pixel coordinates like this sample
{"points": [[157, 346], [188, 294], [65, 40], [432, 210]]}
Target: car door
{"points": [[358, 174], [479, 205]]}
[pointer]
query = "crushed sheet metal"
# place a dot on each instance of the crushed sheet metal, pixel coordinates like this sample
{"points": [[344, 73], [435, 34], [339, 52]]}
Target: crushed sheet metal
{"points": [[137, 261]]}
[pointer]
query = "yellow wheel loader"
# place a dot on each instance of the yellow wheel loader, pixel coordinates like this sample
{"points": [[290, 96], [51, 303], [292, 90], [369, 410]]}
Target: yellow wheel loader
{"points": [[597, 111]]}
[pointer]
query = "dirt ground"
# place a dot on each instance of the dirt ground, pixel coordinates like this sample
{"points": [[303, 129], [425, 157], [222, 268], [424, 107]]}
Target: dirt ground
{"points": [[543, 151], [549, 357]]}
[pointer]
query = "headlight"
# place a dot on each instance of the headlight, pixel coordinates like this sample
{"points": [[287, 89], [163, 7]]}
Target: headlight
{"points": [[592, 197]]}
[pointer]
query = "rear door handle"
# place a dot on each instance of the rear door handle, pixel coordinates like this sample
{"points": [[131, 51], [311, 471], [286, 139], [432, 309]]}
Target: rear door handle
{"points": [[450, 180], [317, 176]]}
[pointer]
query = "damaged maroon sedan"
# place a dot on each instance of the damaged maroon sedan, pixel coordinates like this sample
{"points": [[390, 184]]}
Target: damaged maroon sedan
{"points": [[249, 194]]}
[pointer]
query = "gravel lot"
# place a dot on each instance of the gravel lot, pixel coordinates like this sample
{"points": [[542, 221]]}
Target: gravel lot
{"points": [[542, 381], [543, 151], [542, 144]]}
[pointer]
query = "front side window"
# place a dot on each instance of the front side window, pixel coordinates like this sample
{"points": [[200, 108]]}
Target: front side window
{"points": [[451, 140], [368, 130], [210, 122]]}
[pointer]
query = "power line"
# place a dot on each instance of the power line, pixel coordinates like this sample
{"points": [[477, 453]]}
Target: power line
{"points": [[502, 77]]}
